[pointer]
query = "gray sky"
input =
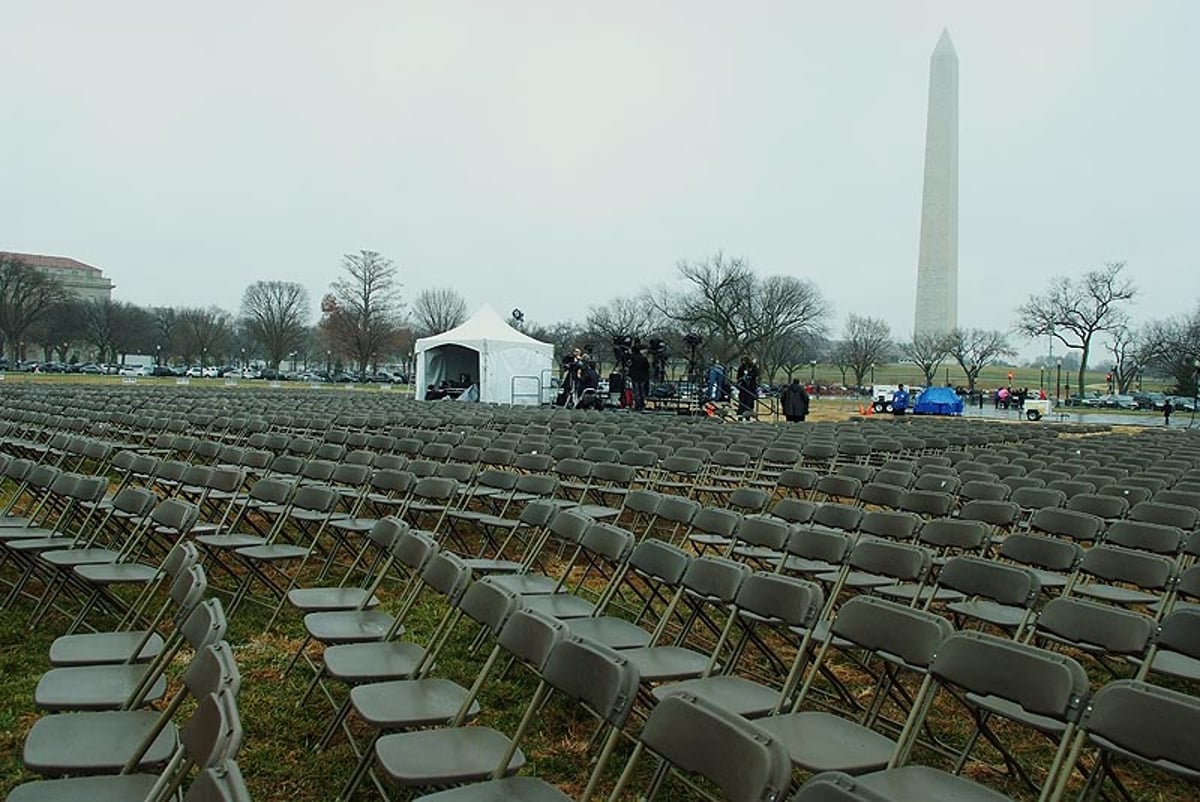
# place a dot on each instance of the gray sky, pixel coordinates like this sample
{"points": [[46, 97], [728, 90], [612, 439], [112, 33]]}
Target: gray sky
{"points": [[552, 154]]}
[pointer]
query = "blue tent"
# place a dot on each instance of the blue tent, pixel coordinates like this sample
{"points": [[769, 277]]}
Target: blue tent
{"points": [[938, 401]]}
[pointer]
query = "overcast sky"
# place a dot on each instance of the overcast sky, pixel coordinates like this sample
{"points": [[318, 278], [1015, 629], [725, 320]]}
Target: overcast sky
{"points": [[550, 155]]}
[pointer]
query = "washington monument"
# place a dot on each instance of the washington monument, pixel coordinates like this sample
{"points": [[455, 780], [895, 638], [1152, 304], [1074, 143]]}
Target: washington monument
{"points": [[937, 261]]}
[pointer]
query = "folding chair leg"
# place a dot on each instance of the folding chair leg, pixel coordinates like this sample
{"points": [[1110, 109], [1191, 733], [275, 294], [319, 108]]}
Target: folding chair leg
{"points": [[296, 657], [334, 725]]}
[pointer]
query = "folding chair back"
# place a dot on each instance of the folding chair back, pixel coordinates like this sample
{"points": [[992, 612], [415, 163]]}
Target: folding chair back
{"points": [[767, 533], [891, 525], [211, 670], [531, 637], [1143, 536], [1097, 628], [954, 534], [446, 574], [1102, 506], [900, 632], [659, 560], [1157, 512], [1001, 583], [610, 542], [569, 526], [1152, 725], [220, 783], [1046, 553], [834, 786], [794, 510], [595, 675], [1178, 645], [134, 502], [714, 579], [175, 516], [780, 599], [829, 549], [699, 738], [489, 604], [842, 517], [896, 560], [1040, 682], [413, 549], [1112, 564], [1080, 527]]}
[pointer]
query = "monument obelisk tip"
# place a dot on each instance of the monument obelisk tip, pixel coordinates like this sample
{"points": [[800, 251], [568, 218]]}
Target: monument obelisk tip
{"points": [[944, 44]]}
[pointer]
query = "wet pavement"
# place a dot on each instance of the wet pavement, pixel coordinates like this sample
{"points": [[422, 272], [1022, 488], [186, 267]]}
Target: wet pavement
{"points": [[1179, 420]]}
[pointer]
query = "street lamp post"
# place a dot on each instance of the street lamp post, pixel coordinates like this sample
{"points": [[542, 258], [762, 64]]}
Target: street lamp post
{"points": [[203, 357], [812, 371], [293, 356], [158, 356], [243, 359], [1042, 378], [872, 377], [328, 362], [1058, 382]]}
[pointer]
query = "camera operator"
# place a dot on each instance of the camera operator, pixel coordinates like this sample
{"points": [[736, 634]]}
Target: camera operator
{"points": [[639, 377], [587, 395], [572, 384]]}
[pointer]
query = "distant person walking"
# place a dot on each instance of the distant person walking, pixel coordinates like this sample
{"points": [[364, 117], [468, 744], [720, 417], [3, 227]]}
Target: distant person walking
{"points": [[794, 401], [899, 401], [747, 387], [1167, 413]]}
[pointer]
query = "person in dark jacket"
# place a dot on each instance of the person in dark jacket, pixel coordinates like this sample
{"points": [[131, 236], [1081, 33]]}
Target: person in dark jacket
{"points": [[747, 387], [639, 377], [794, 401]]}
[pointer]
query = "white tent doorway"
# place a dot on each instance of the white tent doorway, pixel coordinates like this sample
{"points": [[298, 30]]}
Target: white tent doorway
{"points": [[506, 365]]}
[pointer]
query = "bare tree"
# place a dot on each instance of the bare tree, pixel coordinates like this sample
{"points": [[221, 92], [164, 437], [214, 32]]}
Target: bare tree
{"points": [[361, 315], [783, 309], [27, 297], [865, 342], [275, 315], [635, 316], [101, 322], [791, 354], [438, 310], [975, 349], [1075, 311], [58, 329], [203, 333], [1171, 349], [736, 311], [165, 333], [928, 350], [1127, 354]]}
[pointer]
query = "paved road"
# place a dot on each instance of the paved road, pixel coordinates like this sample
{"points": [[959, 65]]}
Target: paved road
{"points": [[1179, 420]]}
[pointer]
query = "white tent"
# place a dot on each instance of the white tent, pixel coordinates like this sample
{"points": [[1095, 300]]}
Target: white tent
{"points": [[506, 365]]}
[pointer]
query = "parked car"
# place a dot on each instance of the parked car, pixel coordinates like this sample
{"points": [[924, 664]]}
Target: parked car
{"points": [[132, 370], [1117, 401], [1181, 403], [1084, 400], [91, 368], [1150, 400], [162, 370]]}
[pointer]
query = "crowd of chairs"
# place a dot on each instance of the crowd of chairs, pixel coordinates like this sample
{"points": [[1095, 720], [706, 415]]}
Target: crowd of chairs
{"points": [[821, 610]]}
